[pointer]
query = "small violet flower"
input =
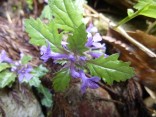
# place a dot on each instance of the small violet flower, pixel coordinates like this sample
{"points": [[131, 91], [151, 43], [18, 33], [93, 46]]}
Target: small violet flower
{"points": [[24, 73], [4, 57], [88, 82]]}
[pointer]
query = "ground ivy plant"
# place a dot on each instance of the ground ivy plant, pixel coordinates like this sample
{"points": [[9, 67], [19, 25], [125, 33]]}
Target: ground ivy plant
{"points": [[78, 49], [21, 71]]}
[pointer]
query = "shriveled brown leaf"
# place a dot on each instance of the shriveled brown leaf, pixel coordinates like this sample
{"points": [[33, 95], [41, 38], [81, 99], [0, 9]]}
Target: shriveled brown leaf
{"points": [[144, 38]]}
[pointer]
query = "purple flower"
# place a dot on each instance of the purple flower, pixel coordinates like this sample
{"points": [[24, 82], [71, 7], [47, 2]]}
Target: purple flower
{"points": [[97, 49], [24, 73], [83, 58], [91, 28], [88, 82], [58, 56], [45, 52], [95, 54], [16, 65], [4, 57], [93, 41], [72, 58], [73, 72]]}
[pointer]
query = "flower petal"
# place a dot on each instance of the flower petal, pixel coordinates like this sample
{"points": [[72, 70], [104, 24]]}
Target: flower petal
{"points": [[73, 72], [28, 76], [88, 82], [4, 57], [92, 28], [58, 56], [24, 72], [71, 58], [45, 52], [20, 77], [89, 42], [96, 54], [97, 37]]}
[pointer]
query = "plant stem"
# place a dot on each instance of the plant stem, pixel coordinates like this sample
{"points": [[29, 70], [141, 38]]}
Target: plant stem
{"points": [[126, 19]]}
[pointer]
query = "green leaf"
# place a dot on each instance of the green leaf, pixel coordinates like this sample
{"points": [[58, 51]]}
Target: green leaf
{"points": [[46, 13], [35, 81], [110, 69], [26, 58], [149, 12], [40, 33], [61, 80], [66, 13], [37, 73], [47, 96], [142, 3], [79, 5], [6, 78], [4, 66], [78, 39], [146, 8]]}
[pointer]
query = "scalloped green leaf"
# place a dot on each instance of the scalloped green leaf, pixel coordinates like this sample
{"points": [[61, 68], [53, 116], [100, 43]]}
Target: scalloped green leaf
{"points": [[47, 96], [61, 80], [6, 78], [142, 3], [77, 42], [41, 33], [66, 14], [37, 73], [110, 69], [4, 66], [146, 8], [46, 13]]}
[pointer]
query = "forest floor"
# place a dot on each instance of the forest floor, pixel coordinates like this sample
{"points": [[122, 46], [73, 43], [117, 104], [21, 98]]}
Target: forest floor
{"points": [[133, 98]]}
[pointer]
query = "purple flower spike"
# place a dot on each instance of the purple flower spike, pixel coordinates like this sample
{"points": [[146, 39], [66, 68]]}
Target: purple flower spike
{"points": [[46, 53], [4, 57], [88, 82], [24, 73]]}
